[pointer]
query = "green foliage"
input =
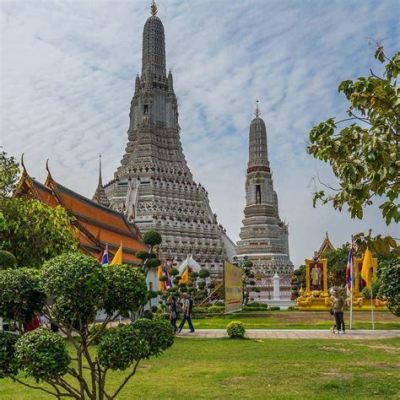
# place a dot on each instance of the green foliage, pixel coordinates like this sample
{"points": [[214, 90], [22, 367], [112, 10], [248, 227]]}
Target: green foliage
{"points": [[77, 285], [3, 222], [204, 273], [21, 294], [380, 245], [7, 260], [142, 255], [236, 330], [42, 354], [152, 238], [158, 334], [148, 314], [174, 272], [255, 306], [163, 278], [389, 278], [126, 289], [366, 292], [337, 262], [274, 308], [120, 347], [298, 281], [8, 362], [8, 174], [35, 232], [216, 309], [365, 155], [153, 263]]}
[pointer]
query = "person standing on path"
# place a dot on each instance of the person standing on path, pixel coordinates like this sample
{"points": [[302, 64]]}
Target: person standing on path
{"points": [[173, 312], [187, 309], [337, 307]]}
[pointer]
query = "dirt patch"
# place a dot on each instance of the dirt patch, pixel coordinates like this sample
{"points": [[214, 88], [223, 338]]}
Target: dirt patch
{"points": [[385, 348], [337, 349], [334, 373]]}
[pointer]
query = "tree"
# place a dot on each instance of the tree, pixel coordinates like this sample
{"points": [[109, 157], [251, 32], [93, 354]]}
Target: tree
{"points": [[8, 175], [389, 288], [76, 287], [21, 295], [337, 262], [150, 261], [35, 232], [298, 281], [364, 155]]}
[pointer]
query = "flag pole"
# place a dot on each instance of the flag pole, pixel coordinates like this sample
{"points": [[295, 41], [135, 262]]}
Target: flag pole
{"points": [[352, 284], [372, 309]]}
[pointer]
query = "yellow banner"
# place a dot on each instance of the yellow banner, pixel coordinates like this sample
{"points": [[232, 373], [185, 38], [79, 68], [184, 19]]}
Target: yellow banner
{"points": [[233, 281]]}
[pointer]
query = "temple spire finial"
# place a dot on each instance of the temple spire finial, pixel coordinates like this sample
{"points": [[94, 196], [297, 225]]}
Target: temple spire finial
{"points": [[100, 177], [257, 112], [153, 8], [48, 170]]}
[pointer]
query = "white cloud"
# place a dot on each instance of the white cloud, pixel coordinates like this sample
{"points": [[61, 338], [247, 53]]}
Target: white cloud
{"points": [[67, 75]]}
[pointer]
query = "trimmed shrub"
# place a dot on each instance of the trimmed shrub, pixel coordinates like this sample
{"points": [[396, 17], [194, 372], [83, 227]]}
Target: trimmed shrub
{"points": [[7, 260], [216, 309], [236, 330], [275, 308], [204, 273], [43, 354], [148, 314], [8, 364]]}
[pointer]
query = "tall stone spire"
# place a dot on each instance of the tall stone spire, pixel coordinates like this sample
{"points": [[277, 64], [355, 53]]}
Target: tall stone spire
{"points": [[258, 152], [153, 61], [153, 185], [263, 236], [100, 194]]}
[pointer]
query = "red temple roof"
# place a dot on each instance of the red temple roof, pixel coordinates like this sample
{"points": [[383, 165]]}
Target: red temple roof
{"points": [[96, 225]]}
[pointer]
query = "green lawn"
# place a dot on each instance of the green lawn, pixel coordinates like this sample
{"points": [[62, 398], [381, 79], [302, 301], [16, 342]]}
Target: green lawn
{"points": [[256, 369], [297, 320]]}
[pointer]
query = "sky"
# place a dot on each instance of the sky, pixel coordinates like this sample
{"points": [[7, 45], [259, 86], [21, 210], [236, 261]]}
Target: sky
{"points": [[67, 71]]}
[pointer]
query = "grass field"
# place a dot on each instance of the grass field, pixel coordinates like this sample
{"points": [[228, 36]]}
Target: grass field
{"points": [[298, 320], [255, 369]]}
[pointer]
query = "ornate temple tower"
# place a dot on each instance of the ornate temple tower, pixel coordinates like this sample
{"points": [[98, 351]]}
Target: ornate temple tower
{"points": [[264, 237], [153, 185], [100, 194]]}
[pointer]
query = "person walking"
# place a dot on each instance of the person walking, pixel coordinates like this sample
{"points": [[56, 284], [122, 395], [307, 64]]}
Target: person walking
{"points": [[187, 308], [173, 312], [337, 307]]}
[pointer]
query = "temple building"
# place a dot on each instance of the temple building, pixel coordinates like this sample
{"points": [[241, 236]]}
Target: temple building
{"points": [[96, 226], [263, 235], [154, 186]]}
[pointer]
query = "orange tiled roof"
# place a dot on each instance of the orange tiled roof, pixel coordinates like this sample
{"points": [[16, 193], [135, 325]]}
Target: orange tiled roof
{"points": [[96, 226]]}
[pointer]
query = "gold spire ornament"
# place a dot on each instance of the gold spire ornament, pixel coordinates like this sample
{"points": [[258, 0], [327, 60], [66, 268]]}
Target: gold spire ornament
{"points": [[153, 8], [257, 113]]}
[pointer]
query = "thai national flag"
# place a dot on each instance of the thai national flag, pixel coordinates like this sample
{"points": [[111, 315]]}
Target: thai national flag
{"points": [[350, 269], [104, 258]]}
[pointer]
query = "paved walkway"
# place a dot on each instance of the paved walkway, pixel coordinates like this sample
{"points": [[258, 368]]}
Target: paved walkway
{"points": [[295, 334]]}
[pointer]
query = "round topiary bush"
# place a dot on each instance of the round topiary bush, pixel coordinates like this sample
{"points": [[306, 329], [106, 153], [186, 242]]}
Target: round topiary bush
{"points": [[7, 260], [8, 363], [236, 330], [42, 354]]}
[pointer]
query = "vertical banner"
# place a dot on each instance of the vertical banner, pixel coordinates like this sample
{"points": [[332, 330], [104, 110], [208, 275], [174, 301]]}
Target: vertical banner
{"points": [[233, 282]]}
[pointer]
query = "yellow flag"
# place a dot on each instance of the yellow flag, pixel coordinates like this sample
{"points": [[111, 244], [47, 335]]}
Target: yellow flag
{"points": [[367, 268], [118, 257], [159, 275], [185, 276]]}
